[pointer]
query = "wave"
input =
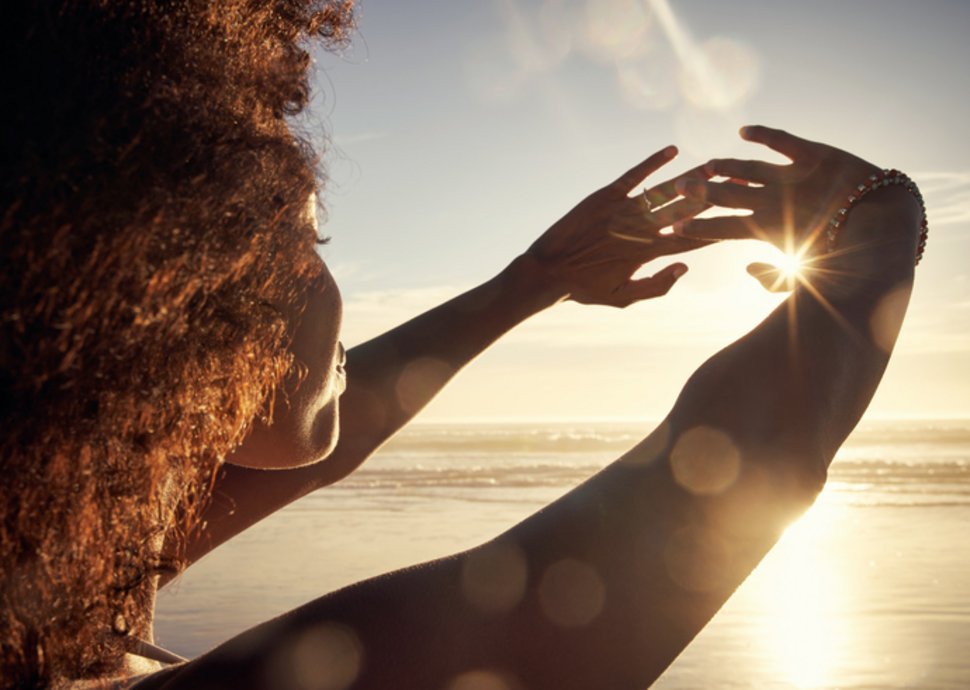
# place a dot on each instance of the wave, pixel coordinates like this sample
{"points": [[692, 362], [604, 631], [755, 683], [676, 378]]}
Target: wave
{"points": [[523, 475], [583, 438], [924, 464], [516, 439]]}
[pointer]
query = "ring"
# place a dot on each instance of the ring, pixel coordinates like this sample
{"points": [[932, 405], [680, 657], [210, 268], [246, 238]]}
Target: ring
{"points": [[646, 200]]}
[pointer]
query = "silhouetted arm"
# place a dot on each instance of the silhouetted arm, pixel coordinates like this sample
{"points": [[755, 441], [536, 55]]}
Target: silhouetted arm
{"points": [[604, 587]]}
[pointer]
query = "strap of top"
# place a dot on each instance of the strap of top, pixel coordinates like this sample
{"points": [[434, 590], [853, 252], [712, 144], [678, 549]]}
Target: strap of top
{"points": [[148, 650]]}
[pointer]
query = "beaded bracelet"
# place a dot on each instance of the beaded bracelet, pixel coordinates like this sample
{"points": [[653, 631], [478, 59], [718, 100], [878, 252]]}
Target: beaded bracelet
{"points": [[883, 178]]}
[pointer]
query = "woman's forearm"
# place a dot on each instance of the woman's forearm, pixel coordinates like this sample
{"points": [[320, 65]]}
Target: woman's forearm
{"points": [[393, 376]]}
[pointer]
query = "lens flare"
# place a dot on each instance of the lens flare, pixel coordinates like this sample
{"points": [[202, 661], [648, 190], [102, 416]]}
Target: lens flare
{"points": [[790, 265]]}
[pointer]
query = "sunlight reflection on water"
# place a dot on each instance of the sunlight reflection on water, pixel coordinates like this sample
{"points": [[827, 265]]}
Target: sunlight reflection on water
{"points": [[806, 591]]}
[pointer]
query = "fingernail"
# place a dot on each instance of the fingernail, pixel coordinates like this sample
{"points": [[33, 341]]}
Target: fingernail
{"points": [[679, 270], [680, 227], [745, 131], [670, 151]]}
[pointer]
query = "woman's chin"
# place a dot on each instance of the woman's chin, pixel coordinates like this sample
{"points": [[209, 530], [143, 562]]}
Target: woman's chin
{"points": [[279, 448]]}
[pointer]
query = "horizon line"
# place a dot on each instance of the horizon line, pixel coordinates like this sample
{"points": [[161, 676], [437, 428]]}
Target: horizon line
{"points": [[522, 421]]}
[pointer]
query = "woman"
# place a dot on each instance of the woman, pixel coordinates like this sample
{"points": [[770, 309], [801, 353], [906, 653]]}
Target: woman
{"points": [[169, 331]]}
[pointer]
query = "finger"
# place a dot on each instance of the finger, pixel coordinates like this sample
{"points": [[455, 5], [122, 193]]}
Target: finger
{"points": [[626, 182], [748, 170], [725, 194], [651, 239], [643, 226], [664, 192], [777, 139], [644, 204], [771, 277], [720, 228], [646, 288]]}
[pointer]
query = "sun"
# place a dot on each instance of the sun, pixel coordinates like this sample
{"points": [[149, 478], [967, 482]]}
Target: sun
{"points": [[780, 271], [790, 265]]}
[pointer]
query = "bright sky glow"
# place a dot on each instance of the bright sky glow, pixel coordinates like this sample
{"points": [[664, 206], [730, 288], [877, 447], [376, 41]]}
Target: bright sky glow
{"points": [[462, 130]]}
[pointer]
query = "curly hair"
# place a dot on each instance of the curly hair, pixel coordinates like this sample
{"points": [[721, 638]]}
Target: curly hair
{"points": [[154, 231]]}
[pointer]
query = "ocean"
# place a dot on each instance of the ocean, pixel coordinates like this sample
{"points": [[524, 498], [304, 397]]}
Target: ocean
{"points": [[870, 589]]}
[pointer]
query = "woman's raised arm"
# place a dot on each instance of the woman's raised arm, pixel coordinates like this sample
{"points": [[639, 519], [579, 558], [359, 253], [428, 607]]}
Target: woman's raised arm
{"points": [[607, 585]]}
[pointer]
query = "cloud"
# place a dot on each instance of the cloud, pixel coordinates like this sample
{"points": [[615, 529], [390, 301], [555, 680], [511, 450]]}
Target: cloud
{"points": [[627, 36]]}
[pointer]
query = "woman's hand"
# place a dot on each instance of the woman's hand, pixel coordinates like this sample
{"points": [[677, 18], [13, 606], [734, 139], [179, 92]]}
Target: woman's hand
{"points": [[591, 253], [790, 204]]}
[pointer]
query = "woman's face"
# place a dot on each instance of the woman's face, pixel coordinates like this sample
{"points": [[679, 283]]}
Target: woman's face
{"points": [[305, 425]]}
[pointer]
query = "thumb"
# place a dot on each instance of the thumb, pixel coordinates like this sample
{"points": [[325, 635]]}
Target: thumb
{"points": [[771, 277], [646, 288]]}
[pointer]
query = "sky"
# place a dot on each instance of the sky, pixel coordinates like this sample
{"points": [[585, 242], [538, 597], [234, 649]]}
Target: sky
{"points": [[457, 131]]}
